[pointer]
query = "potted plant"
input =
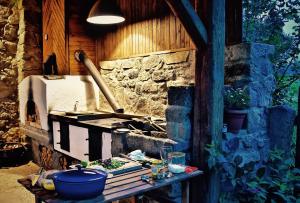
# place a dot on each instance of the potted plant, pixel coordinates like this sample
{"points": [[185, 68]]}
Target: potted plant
{"points": [[236, 101]]}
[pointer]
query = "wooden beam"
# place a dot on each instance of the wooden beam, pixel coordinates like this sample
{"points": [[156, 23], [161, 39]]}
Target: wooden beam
{"points": [[234, 21], [297, 160], [184, 10], [208, 108]]}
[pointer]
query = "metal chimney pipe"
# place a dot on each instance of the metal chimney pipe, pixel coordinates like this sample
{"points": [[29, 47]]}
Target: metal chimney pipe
{"points": [[81, 57]]}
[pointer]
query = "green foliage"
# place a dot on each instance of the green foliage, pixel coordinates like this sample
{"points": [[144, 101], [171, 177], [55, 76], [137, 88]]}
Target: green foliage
{"points": [[264, 21], [272, 181], [236, 98]]}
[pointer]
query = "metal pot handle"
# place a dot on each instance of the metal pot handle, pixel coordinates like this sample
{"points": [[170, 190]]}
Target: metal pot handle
{"points": [[78, 166]]}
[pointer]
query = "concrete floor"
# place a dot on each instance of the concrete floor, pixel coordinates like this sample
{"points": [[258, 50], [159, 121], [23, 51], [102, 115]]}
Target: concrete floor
{"points": [[10, 190]]}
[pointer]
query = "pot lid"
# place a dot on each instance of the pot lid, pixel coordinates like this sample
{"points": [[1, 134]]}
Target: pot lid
{"points": [[79, 175]]}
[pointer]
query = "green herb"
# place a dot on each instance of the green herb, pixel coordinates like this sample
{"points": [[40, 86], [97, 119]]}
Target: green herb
{"points": [[112, 164], [236, 98]]}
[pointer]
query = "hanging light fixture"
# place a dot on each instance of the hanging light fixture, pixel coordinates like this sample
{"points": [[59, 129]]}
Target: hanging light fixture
{"points": [[105, 12]]}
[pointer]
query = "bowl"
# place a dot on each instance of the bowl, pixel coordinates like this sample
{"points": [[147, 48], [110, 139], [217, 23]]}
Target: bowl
{"points": [[79, 183]]}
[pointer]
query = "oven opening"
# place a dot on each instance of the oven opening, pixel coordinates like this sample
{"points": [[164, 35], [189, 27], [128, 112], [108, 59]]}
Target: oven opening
{"points": [[32, 114]]}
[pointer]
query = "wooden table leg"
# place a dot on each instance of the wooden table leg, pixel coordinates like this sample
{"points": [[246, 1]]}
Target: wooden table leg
{"points": [[186, 192], [139, 199]]}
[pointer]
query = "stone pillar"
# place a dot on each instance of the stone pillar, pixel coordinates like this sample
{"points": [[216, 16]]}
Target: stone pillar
{"points": [[179, 116], [9, 20], [248, 65], [281, 125], [18, 24]]}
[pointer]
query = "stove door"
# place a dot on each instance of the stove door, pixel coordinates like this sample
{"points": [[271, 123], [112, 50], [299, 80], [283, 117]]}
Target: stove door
{"points": [[79, 142]]}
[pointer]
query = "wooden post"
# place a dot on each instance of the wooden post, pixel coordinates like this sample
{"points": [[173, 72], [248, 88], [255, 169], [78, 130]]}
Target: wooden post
{"points": [[209, 83], [208, 111], [297, 160], [234, 21]]}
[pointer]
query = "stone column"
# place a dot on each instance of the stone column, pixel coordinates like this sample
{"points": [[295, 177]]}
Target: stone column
{"points": [[248, 65], [9, 20], [20, 55], [281, 125], [178, 116]]}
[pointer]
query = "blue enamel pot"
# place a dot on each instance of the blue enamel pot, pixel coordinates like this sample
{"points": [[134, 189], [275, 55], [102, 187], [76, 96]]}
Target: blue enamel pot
{"points": [[79, 183]]}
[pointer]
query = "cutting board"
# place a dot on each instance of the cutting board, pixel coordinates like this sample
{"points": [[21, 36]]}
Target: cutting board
{"points": [[127, 167]]}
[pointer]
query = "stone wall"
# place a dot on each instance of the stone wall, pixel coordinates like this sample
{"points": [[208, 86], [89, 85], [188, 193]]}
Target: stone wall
{"points": [[140, 84], [248, 66], [17, 25], [9, 25]]}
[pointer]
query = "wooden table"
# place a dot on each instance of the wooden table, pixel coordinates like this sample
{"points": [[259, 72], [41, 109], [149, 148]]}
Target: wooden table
{"points": [[117, 187]]}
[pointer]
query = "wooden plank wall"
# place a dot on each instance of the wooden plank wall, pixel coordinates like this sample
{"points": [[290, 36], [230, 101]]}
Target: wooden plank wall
{"points": [[81, 35], [54, 29], [150, 27]]}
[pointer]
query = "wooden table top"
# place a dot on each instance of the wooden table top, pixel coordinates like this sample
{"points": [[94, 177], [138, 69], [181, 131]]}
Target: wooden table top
{"points": [[116, 188]]}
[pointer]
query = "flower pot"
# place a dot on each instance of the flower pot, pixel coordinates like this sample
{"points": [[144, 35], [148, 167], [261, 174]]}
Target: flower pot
{"points": [[235, 119]]}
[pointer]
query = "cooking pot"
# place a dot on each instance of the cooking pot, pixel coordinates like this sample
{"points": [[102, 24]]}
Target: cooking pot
{"points": [[79, 183]]}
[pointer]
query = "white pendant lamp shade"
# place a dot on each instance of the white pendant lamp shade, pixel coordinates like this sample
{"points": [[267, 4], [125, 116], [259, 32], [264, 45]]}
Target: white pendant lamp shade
{"points": [[105, 12]]}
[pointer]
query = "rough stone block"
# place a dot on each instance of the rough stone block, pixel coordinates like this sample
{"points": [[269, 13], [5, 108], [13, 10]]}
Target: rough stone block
{"points": [[133, 73], [5, 90], [119, 143], [247, 156], [144, 76], [4, 64], [107, 65], [181, 96], [14, 18], [10, 47], [237, 69], [246, 51], [177, 57], [281, 126], [120, 76], [10, 32], [261, 93], [152, 62], [4, 11], [180, 132], [4, 2], [149, 87], [162, 75], [257, 119], [131, 63], [178, 113]]}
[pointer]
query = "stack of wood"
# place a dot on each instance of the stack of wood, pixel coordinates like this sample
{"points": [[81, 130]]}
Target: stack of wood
{"points": [[13, 135]]}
